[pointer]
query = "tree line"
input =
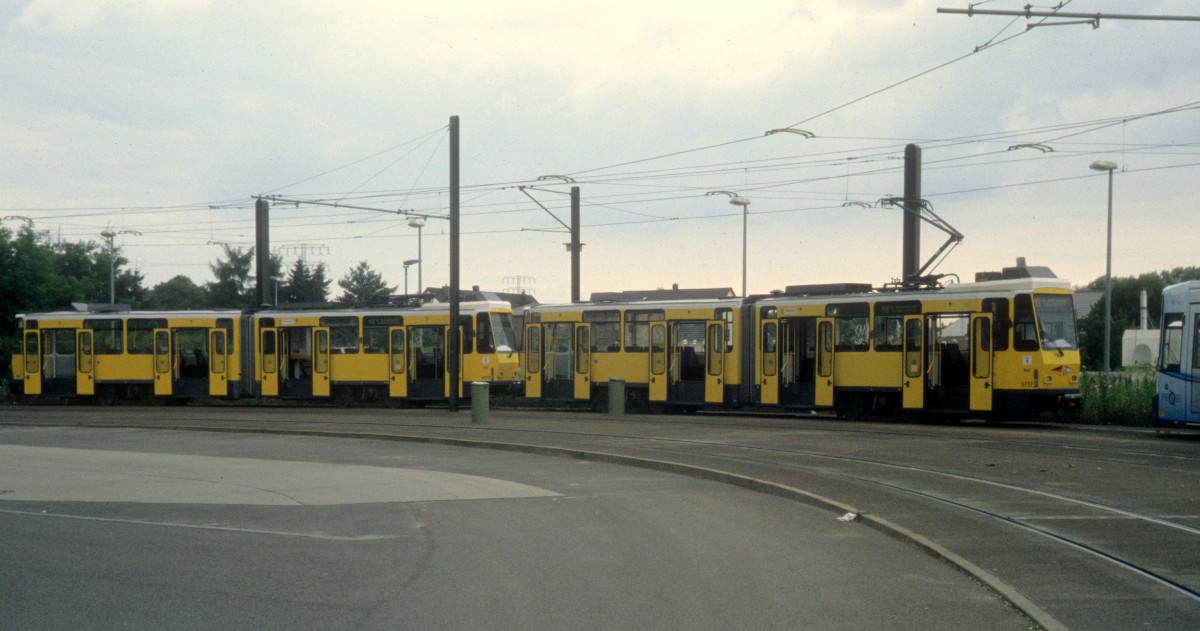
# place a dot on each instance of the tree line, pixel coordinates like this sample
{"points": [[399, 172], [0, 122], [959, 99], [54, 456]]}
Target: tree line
{"points": [[38, 273]]}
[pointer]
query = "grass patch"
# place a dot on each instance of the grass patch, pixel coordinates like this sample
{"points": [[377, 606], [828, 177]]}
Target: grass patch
{"points": [[1116, 398]]}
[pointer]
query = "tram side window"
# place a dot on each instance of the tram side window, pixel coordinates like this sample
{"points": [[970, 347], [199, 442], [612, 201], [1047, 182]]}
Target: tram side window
{"points": [[375, 339], [109, 336], [637, 329], [1196, 345], [606, 330], [141, 335], [1025, 337], [343, 333], [852, 332], [1170, 357], [888, 332], [375, 332], [998, 307]]}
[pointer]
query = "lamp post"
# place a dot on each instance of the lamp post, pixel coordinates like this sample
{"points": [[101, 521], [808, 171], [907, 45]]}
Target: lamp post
{"points": [[407, 264], [1105, 165], [418, 223], [738, 200], [110, 234]]}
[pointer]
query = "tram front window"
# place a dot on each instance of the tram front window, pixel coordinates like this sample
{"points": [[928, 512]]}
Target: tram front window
{"points": [[1056, 322], [502, 329]]}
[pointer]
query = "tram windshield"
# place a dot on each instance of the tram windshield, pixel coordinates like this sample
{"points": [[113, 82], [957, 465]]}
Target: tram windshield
{"points": [[502, 329], [1056, 321]]}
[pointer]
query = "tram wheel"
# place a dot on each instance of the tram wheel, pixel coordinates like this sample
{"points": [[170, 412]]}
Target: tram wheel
{"points": [[343, 397], [106, 395], [853, 407]]}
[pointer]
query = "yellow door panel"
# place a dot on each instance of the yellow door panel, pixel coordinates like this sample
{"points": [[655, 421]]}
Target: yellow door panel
{"points": [[33, 363], [268, 362], [85, 363], [164, 363], [218, 363], [981, 362], [321, 364], [823, 390], [583, 361], [658, 361], [397, 362], [913, 388], [533, 361], [768, 369], [714, 360]]}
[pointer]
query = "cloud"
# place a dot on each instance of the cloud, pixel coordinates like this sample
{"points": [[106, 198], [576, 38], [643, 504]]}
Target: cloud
{"points": [[62, 17]]}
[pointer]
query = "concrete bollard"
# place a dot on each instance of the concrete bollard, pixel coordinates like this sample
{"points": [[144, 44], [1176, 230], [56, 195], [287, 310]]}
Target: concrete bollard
{"points": [[480, 391], [616, 396]]}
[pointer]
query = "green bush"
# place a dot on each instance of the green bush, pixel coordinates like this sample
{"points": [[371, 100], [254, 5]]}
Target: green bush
{"points": [[1118, 398]]}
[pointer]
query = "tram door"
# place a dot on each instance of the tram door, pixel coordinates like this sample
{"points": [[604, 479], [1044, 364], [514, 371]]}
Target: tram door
{"points": [[913, 391], [768, 370], [268, 357], [559, 367], [190, 358], [320, 362], [85, 368], [33, 363], [1193, 383], [583, 361], [533, 361], [427, 377], [397, 362], [714, 358], [658, 361], [218, 363], [823, 390], [164, 364], [981, 362]]}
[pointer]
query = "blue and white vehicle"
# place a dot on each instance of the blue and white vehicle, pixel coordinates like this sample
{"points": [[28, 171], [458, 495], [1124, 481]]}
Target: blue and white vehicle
{"points": [[1177, 403]]}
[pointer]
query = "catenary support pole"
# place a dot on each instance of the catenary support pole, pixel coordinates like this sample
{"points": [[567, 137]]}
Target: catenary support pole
{"points": [[455, 343], [575, 245], [912, 215], [262, 252]]}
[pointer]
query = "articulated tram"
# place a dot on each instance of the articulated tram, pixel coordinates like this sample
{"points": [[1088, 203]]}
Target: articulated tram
{"points": [[392, 354], [1004, 344], [1177, 401]]}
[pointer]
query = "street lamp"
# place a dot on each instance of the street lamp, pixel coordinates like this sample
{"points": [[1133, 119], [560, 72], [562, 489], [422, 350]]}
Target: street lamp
{"points": [[406, 266], [418, 223], [109, 234], [738, 200], [1105, 165]]}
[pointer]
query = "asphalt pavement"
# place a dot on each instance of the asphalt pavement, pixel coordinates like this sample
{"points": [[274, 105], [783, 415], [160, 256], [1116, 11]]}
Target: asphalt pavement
{"points": [[161, 528]]}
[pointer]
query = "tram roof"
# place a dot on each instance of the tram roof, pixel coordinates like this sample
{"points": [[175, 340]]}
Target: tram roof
{"points": [[103, 313], [429, 307], [696, 303]]}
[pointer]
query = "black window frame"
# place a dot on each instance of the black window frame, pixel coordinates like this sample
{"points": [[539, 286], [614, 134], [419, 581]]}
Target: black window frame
{"points": [[134, 343], [845, 315], [606, 328], [637, 326], [101, 327]]}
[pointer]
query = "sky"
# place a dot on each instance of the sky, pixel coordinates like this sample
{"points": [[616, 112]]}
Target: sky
{"points": [[162, 119]]}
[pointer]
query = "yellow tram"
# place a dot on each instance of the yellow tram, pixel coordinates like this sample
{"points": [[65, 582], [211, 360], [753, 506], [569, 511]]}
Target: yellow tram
{"points": [[678, 352], [396, 355], [1003, 344], [108, 353]]}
